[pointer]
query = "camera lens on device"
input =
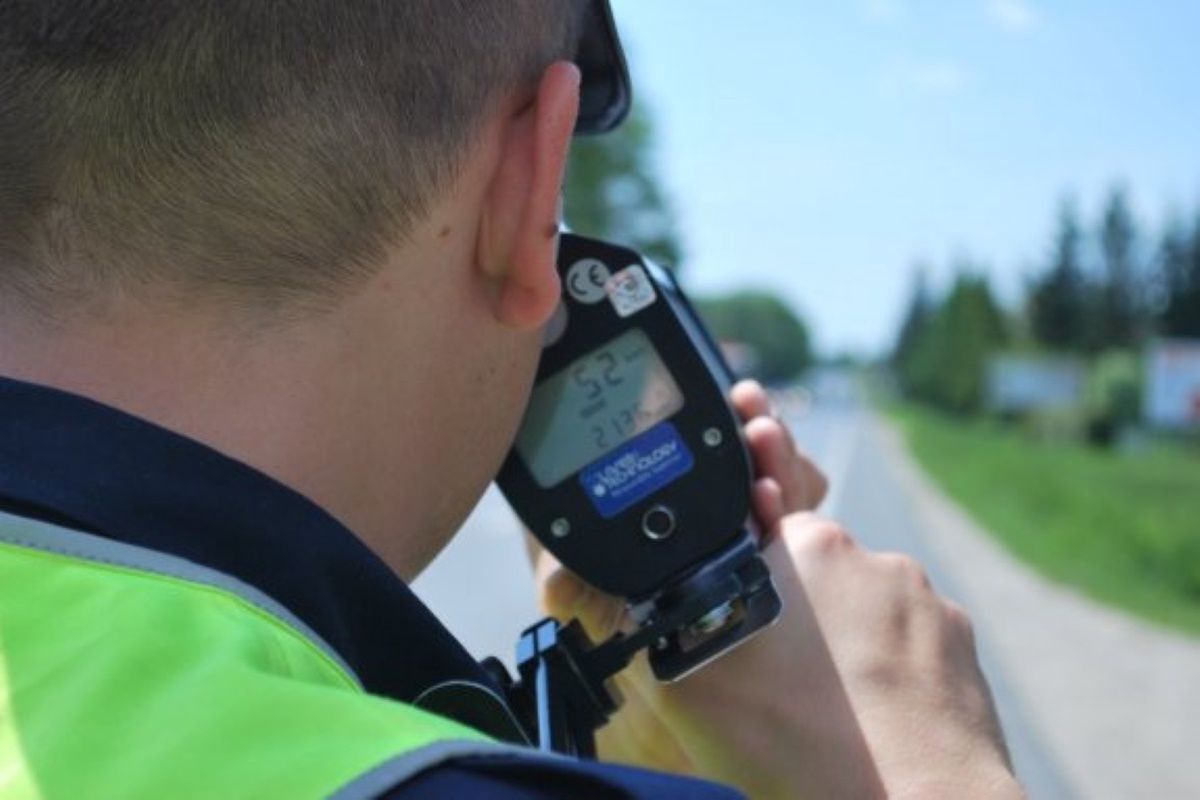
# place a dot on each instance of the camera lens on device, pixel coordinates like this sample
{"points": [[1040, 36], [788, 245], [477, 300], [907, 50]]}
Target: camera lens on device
{"points": [[658, 523]]}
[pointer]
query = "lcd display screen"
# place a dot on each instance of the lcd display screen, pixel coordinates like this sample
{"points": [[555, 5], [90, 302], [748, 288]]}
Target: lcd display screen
{"points": [[597, 403]]}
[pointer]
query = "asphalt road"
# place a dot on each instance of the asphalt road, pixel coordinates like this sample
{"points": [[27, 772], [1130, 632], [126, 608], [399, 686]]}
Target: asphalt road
{"points": [[869, 498], [480, 586]]}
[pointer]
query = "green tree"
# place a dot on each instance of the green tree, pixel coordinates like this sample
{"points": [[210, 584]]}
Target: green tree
{"points": [[1180, 267], [916, 319], [613, 191], [1058, 301], [765, 324], [948, 368], [1118, 315]]}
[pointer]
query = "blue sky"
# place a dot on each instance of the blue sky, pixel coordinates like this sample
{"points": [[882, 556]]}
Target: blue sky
{"points": [[819, 149]]}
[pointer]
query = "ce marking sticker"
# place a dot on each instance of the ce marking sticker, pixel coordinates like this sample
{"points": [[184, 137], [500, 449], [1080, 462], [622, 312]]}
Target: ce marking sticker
{"points": [[630, 290], [587, 281]]}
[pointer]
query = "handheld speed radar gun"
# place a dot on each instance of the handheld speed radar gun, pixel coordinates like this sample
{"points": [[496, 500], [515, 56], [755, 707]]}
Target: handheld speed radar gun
{"points": [[630, 467]]}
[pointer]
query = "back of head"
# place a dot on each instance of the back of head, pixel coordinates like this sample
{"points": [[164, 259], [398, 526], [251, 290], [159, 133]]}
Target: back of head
{"points": [[261, 152]]}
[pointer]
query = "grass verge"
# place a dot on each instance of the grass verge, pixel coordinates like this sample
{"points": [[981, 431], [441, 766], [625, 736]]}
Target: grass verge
{"points": [[1122, 527]]}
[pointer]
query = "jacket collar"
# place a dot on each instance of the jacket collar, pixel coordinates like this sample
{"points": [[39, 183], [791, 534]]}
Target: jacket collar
{"points": [[78, 463]]}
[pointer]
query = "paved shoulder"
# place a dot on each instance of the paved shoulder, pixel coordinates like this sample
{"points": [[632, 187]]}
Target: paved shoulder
{"points": [[1117, 700], [874, 497]]}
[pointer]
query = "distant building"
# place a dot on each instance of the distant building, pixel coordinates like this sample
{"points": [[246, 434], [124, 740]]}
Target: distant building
{"points": [[742, 358], [1020, 383], [1173, 384]]}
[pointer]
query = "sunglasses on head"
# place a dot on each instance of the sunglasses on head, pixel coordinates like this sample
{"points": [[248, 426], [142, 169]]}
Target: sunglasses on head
{"points": [[606, 92]]}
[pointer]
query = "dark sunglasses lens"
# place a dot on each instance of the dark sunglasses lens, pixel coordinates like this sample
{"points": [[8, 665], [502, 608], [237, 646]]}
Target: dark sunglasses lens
{"points": [[605, 94]]}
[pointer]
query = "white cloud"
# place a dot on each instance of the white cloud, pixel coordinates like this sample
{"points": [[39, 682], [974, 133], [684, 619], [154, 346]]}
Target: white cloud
{"points": [[1015, 16], [942, 77], [881, 11], [928, 78]]}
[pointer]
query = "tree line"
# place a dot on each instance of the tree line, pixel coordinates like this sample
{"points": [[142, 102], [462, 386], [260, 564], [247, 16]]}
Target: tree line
{"points": [[1114, 291], [1100, 294]]}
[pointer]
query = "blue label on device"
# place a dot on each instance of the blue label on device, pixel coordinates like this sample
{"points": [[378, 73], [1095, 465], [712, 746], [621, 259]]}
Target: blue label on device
{"points": [[636, 470]]}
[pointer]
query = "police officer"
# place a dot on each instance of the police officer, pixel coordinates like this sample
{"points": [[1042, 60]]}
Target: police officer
{"points": [[272, 276]]}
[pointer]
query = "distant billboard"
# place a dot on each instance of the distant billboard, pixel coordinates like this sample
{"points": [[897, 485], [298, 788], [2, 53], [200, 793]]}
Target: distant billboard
{"points": [[1173, 384], [1019, 382]]}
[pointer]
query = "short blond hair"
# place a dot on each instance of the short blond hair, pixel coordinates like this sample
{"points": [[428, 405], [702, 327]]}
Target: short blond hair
{"points": [[267, 150]]}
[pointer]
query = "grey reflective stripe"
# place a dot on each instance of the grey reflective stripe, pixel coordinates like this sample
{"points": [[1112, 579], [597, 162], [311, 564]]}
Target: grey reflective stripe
{"points": [[395, 772], [44, 536]]}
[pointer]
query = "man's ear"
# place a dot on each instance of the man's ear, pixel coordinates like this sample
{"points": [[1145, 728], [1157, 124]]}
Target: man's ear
{"points": [[518, 234]]}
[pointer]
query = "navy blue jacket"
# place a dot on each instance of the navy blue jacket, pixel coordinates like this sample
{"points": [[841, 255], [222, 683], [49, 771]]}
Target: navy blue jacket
{"points": [[74, 462]]}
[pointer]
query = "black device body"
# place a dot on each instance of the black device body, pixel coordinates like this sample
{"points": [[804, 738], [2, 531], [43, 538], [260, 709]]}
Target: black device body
{"points": [[680, 541]]}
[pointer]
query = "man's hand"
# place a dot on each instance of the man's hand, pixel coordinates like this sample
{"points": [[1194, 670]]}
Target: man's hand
{"points": [[868, 685]]}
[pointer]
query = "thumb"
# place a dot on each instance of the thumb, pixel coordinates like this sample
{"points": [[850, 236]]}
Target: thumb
{"points": [[564, 596]]}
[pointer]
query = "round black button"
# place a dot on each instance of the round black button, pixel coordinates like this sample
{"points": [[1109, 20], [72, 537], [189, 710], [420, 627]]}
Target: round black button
{"points": [[658, 523]]}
